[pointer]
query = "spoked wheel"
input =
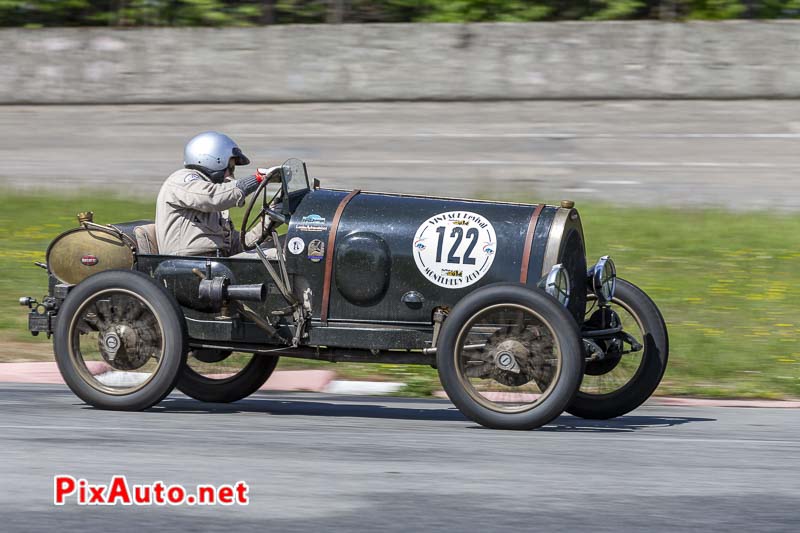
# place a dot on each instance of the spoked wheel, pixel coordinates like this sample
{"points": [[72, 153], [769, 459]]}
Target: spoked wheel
{"points": [[222, 377], [509, 357], [626, 377], [119, 341]]}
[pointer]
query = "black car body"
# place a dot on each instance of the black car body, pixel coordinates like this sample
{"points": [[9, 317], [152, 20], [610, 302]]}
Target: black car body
{"points": [[364, 276]]}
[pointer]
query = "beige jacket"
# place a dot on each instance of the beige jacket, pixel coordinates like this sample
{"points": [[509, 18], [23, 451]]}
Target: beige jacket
{"points": [[192, 215]]}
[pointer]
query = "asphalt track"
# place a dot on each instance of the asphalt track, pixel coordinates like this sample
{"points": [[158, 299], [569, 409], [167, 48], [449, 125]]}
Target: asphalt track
{"points": [[732, 154], [317, 462]]}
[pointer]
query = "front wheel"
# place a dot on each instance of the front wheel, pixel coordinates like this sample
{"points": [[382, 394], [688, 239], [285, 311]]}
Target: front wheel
{"points": [[625, 379], [226, 378], [509, 357]]}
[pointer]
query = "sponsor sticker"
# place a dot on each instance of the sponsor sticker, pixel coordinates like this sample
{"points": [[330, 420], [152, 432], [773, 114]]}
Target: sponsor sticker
{"points": [[191, 177], [312, 222], [296, 245], [89, 260], [316, 250], [455, 249]]}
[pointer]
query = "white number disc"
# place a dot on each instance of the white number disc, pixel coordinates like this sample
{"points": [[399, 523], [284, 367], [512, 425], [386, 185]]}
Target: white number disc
{"points": [[455, 249], [296, 245]]}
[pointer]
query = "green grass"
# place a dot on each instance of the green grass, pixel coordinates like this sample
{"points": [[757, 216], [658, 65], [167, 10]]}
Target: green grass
{"points": [[727, 283], [27, 225]]}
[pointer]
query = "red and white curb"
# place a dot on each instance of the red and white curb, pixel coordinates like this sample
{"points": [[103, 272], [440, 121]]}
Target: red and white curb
{"points": [[711, 402], [323, 381], [281, 380], [368, 388]]}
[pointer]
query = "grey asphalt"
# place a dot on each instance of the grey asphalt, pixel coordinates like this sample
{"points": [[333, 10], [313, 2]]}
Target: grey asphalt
{"points": [[733, 154], [318, 462]]}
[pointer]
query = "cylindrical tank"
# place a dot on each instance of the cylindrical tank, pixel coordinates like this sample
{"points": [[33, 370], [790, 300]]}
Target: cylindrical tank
{"points": [[398, 257], [78, 253]]}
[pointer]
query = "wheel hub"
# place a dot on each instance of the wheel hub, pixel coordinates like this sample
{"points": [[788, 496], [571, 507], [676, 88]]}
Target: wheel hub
{"points": [[508, 353], [514, 358], [122, 347], [112, 342]]}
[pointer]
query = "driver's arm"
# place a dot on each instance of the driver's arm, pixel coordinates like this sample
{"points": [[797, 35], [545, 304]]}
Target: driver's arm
{"points": [[208, 197]]}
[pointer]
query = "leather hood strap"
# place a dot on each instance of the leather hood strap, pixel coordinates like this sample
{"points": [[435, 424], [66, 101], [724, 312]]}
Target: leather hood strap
{"points": [[526, 252], [326, 286]]}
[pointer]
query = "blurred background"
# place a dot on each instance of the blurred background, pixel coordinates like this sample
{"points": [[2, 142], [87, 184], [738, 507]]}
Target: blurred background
{"points": [[37, 13], [674, 130]]}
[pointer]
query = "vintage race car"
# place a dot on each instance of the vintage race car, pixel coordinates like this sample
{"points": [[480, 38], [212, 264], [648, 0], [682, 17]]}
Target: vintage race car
{"points": [[496, 296]]}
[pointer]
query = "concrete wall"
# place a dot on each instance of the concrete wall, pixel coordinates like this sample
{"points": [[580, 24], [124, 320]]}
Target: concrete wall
{"points": [[397, 61]]}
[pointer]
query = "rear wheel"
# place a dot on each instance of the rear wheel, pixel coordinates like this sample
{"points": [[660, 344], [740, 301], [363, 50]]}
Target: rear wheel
{"points": [[625, 379], [119, 341], [510, 357], [224, 377]]}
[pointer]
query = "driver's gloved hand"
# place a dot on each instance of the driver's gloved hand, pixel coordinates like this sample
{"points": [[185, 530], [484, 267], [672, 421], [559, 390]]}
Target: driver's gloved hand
{"points": [[265, 173], [250, 183]]}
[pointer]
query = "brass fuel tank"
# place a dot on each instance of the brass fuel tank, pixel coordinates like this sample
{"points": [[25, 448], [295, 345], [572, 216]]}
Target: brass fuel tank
{"points": [[78, 253]]}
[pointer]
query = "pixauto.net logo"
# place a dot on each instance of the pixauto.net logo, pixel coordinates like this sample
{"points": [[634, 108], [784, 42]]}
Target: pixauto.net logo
{"points": [[119, 492]]}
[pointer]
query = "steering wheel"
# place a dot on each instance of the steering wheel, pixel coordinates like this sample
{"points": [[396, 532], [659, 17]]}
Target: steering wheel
{"points": [[266, 217]]}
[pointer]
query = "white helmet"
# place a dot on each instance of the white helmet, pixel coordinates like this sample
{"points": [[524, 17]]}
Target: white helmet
{"points": [[211, 152]]}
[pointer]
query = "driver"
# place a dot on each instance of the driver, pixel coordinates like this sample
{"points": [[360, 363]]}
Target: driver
{"points": [[192, 207]]}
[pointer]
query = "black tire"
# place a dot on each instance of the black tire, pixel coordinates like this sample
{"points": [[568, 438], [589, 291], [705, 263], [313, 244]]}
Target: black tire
{"points": [[650, 371], [167, 313], [553, 315], [231, 389]]}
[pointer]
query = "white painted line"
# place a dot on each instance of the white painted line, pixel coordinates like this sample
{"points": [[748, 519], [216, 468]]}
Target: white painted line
{"points": [[711, 135], [367, 135], [548, 163], [614, 182], [509, 135], [580, 190]]}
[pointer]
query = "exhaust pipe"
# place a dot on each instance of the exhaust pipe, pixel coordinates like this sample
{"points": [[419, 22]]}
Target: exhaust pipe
{"points": [[216, 291], [256, 292]]}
